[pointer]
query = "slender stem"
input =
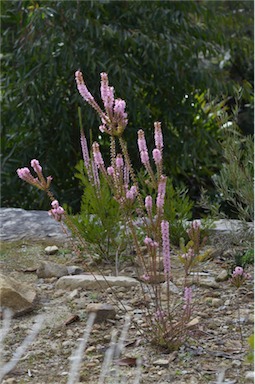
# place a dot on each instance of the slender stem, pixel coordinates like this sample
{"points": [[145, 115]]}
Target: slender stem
{"points": [[239, 318]]}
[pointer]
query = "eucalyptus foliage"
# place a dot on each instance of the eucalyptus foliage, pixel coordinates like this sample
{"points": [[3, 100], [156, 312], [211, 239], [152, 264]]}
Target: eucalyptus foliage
{"points": [[163, 56]]}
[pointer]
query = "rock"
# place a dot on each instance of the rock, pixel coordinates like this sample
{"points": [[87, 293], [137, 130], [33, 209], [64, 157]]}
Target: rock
{"points": [[19, 224], [222, 276], [207, 283], [193, 322], [214, 302], [48, 269], [172, 288], [74, 294], [74, 270], [51, 250], [250, 376], [161, 363], [18, 297], [10, 380], [94, 281], [102, 311], [236, 363]]}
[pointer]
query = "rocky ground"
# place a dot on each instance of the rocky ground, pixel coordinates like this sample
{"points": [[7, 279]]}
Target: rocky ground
{"points": [[214, 348]]}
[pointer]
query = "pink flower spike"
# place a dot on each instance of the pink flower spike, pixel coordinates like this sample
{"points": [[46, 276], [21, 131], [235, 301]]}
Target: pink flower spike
{"points": [[55, 204], [36, 166], [97, 155], [24, 174], [157, 157], [166, 246], [141, 141], [110, 171], [158, 135], [162, 185], [119, 161], [104, 86], [85, 151], [107, 93], [83, 90], [119, 108], [144, 157], [148, 204]]}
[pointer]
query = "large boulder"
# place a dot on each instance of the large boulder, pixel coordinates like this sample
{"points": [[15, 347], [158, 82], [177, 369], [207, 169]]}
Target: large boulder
{"points": [[18, 297]]}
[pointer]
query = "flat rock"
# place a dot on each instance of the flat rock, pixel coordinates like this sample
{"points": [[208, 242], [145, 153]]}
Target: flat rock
{"points": [[94, 282], [18, 297], [102, 311], [48, 269], [19, 224], [207, 283], [161, 363]]}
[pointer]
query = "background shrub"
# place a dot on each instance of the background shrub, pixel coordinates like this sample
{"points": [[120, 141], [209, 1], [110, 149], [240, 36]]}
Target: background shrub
{"points": [[171, 61]]}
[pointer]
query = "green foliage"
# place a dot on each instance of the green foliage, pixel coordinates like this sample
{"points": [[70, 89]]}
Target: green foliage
{"points": [[235, 180], [245, 258], [99, 222], [177, 211], [250, 356], [157, 52]]}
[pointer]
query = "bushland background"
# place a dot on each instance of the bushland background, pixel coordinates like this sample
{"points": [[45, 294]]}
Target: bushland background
{"points": [[188, 64]]}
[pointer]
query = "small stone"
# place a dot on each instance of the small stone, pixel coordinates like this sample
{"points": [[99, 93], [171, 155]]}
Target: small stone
{"points": [[250, 376], [208, 283], [51, 250], [73, 294], [172, 288], [69, 333], [90, 349], [193, 322], [10, 380], [250, 319], [227, 303], [222, 276], [213, 302], [161, 363], [48, 269], [102, 311], [236, 363]]}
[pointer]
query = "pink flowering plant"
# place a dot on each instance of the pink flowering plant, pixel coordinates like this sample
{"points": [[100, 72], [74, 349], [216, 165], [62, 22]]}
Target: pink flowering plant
{"points": [[167, 320], [238, 279]]}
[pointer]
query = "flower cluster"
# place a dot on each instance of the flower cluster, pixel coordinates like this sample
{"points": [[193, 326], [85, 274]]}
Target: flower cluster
{"points": [[114, 118], [239, 277], [187, 300], [57, 212], [40, 181], [166, 247]]}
